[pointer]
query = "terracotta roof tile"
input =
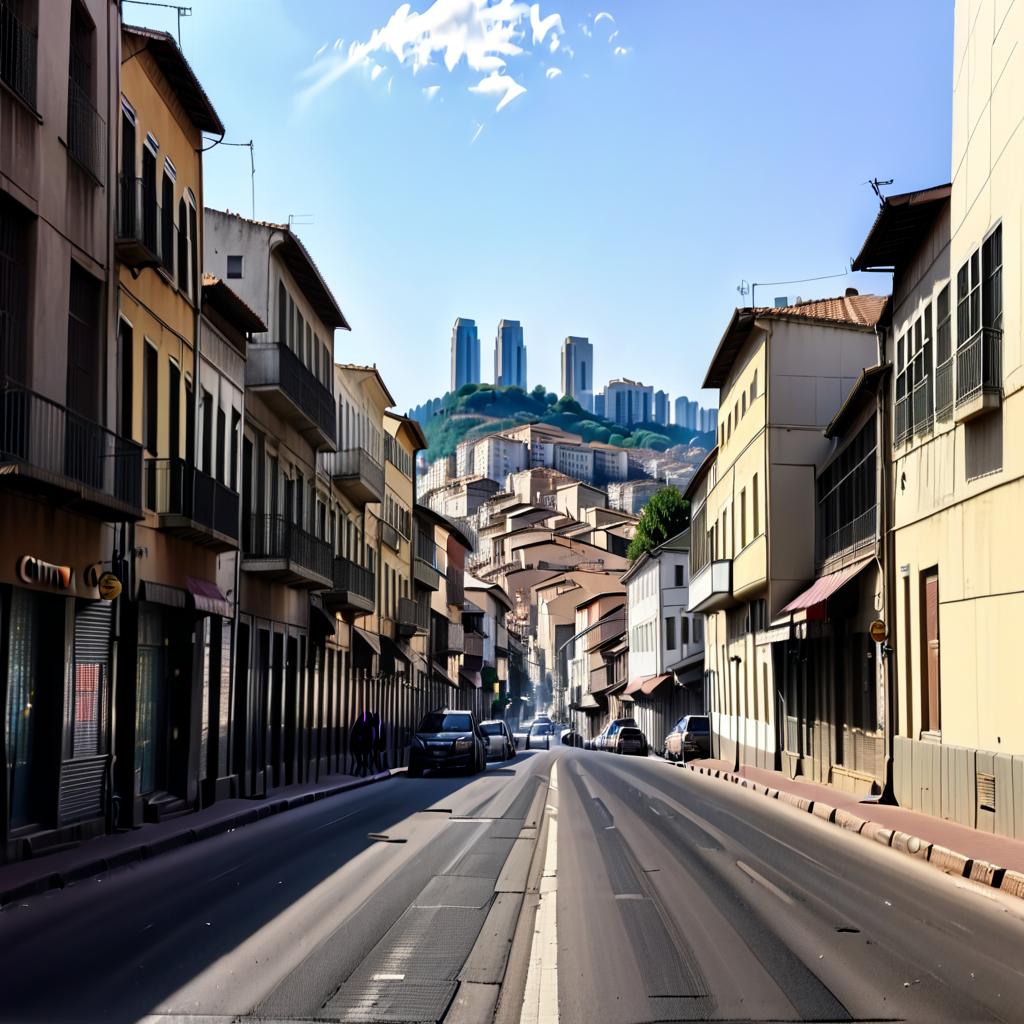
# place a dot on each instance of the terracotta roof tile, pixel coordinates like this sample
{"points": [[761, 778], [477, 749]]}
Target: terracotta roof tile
{"points": [[861, 310]]}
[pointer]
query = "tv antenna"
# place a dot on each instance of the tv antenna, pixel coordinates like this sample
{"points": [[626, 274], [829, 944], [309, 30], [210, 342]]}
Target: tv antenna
{"points": [[743, 288], [876, 187], [183, 12], [302, 219], [252, 167]]}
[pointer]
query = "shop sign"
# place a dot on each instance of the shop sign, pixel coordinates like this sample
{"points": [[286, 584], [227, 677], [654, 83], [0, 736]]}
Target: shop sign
{"points": [[878, 631], [35, 570], [109, 586]]}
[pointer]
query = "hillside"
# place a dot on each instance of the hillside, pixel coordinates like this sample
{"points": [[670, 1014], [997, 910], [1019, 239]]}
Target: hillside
{"points": [[479, 409]]}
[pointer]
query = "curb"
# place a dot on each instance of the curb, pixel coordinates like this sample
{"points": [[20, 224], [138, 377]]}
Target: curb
{"points": [[949, 861], [143, 851]]}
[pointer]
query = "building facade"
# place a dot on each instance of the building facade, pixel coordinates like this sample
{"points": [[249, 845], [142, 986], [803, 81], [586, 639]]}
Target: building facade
{"points": [[627, 402], [465, 353], [578, 371], [510, 355]]}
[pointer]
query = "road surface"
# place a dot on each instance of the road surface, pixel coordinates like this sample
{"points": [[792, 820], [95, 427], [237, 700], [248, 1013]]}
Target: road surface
{"points": [[664, 896]]}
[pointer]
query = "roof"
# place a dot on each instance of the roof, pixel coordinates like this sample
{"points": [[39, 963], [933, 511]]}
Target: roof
{"points": [[419, 439], [472, 583], [435, 518], [230, 305], [301, 266], [866, 384], [180, 77], [598, 597], [700, 472], [900, 227], [853, 312], [368, 371]]}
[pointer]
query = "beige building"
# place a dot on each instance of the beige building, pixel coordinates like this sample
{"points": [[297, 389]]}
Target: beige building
{"points": [[958, 476], [781, 373]]}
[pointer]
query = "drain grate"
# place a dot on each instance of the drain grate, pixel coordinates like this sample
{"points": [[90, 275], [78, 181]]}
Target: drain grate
{"points": [[448, 891], [392, 1002]]}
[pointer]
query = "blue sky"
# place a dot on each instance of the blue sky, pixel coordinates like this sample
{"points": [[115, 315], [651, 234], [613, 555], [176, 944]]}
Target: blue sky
{"points": [[623, 198]]}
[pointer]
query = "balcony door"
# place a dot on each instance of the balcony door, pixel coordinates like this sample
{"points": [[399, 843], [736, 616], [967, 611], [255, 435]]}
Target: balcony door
{"points": [[13, 291], [931, 720], [83, 451]]}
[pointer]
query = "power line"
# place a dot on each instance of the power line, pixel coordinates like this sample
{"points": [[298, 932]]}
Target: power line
{"points": [[183, 12]]}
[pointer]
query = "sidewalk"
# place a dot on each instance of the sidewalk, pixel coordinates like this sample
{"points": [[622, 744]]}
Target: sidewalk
{"points": [[993, 860], [95, 856]]}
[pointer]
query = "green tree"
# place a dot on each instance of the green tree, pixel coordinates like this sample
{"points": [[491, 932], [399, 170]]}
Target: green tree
{"points": [[569, 404], [539, 392], [664, 515]]}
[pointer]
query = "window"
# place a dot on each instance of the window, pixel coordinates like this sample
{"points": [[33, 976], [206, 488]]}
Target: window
{"points": [[85, 129], [126, 341], [992, 288], [282, 314], [743, 518], [173, 409], [743, 403], [684, 630], [234, 266], [758, 615], [85, 343], [680, 575], [182, 245], [968, 301], [207, 433], [670, 633], [167, 222], [755, 507], [753, 388], [236, 431], [150, 399], [193, 247], [698, 629], [222, 429]]}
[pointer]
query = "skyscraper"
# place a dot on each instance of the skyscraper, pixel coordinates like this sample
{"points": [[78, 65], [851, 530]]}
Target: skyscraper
{"points": [[510, 355], [465, 353], [599, 404], [578, 371], [627, 401], [661, 408], [687, 412]]}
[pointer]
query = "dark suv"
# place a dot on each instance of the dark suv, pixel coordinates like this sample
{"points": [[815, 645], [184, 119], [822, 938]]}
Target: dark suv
{"points": [[448, 739]]}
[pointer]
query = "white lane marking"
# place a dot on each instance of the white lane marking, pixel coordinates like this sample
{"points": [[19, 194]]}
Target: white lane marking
{"points": [[654, 810], [629, 896], [224, 873], [540, 998], [761, 880], [389, 977], [334, 821]]}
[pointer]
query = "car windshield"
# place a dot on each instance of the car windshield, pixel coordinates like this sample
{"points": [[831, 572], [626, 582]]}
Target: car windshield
{"points": [[631, 734], [439, 721], [540, 729], [492, 728], [697, 725]]}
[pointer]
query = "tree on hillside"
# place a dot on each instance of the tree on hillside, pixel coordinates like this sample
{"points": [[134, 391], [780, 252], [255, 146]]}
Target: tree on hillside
{"points": [[569, 404], [539, 392], [664, 515]]}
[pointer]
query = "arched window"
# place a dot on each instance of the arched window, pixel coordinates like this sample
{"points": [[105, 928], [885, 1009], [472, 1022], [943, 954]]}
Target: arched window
{"points": [[183, 248]]}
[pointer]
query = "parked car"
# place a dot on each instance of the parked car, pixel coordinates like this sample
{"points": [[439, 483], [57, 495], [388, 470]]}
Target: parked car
{"points": [[501, 744], [630, 740], [571, 738], [448, 738], [539, 737], [606, 741], [689, 737]]}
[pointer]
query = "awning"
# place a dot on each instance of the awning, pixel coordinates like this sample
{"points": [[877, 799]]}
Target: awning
{"points": [[393, 659], [470, 678], [615, 688], [646, 685], [161, 593], [208, 597], [441, 673], [823, 588], [321, 625], [587, 704], [411, 656], [372, 640]]}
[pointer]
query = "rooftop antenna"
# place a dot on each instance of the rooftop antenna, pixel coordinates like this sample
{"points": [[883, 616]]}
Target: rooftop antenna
{"points": [[300, 219], [743, 288], [876, 187], [183, 12], [252, 167]]}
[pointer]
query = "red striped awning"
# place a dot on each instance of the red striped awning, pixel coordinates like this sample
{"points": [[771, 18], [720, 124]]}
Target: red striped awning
{"points": [[824, 587], [646, 684]]}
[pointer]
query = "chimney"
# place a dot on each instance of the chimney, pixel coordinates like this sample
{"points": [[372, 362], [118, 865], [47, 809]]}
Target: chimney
{"points": [[851, 292]]}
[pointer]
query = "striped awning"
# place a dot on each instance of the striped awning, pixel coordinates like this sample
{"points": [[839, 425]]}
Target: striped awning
{"points": [[646, 685], [824, 587]]}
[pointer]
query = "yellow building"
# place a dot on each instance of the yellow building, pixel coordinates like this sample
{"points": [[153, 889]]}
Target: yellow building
{"points": [[178, 629], [958, 476], [781, 374]]}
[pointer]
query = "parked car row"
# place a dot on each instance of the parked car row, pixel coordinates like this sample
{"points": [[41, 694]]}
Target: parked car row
{"points": [[452, 739], [621, 736], [690, 737]]}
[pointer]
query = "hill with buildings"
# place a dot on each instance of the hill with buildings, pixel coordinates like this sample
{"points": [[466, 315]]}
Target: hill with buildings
{"points": [[476, 410]]}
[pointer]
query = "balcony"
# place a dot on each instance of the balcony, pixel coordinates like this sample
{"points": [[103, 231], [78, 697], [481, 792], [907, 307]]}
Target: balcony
{"points": [[413, 617], [922, 406], [426, 568], [449, 638], [87, 132], [292, 391], [455, 586], [17, 56], [192, 505], [979, 374], [902, 429], [389, 535], [944, 391], [711, 588], [473, 644], [279, 550], [47, 449], [357, 475], [354, 591], [142, 234], [851, 540]]}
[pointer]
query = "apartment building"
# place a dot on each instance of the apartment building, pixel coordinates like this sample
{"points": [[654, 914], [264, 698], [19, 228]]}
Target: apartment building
{"points": [[782, 373], [70, 477], [627, 402], [599, 619]]}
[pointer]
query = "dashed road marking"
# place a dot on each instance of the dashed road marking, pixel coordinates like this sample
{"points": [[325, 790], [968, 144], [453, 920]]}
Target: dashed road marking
{"points": [[761, 880]]}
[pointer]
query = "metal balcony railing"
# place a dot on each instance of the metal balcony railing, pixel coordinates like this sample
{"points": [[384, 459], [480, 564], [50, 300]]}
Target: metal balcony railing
{"points": [[449, 638], [859, 530], [138, 215], [389, 535], [69, 449], [354, 579], [18, 46], [473, 645], [427, 550], [979, 365], [87, 132], [274, 365], [413, 616], [455, 586], [902, 429], [274, 537], [944, 391], [173, 488], [921, 401], [357, 467]]}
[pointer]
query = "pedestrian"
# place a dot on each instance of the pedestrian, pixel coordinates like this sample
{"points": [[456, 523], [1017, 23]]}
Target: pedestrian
{"points": [[360, 743], [381, 760]]}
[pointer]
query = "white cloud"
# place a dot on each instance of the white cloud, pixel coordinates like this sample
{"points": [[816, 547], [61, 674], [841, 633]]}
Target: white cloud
{"points": [[552, 72], [485, 34], [620, 51], [495, 84], [541, 26], [602, 16], [318, 52], [377, 71], [613, 35], [556, 41], [585, 29], [568, 51], [390, 83], [476, 134], [431, 91]]}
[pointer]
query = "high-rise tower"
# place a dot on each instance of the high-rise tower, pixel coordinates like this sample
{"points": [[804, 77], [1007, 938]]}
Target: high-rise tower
{"points": [[578, 371], [510, 355], [465, 353]]}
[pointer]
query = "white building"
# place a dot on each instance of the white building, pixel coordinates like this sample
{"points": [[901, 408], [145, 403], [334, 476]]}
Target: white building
{"points": [[496, 457], [628, 401]]}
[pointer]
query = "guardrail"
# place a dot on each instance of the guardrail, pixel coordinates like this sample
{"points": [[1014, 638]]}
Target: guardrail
{"points": [[18, 46], [274, 537], [87, 132]]}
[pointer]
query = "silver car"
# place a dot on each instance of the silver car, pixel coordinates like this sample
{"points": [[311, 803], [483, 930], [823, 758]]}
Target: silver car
{"points": [[501, 744]]}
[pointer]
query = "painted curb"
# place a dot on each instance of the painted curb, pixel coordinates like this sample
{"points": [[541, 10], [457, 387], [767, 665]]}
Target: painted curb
{"points": [[48, 881], [991, 875]]}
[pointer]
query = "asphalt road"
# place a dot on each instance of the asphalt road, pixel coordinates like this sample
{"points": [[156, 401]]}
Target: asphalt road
{"points": [[670, 897]]}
